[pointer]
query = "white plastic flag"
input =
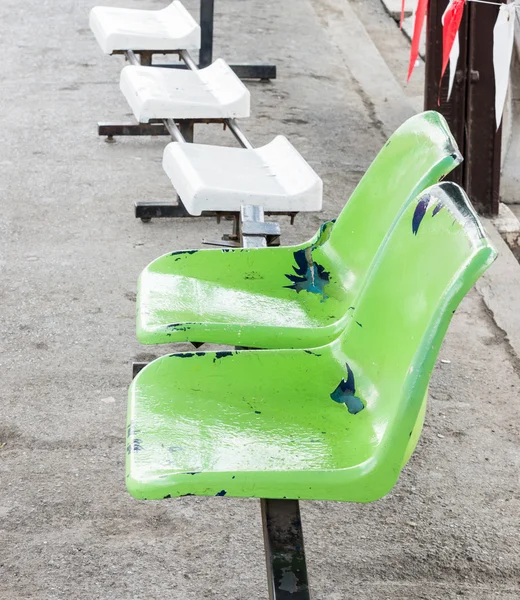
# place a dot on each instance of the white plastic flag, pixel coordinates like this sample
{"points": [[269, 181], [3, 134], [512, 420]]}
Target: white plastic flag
{"points": [[503, 40], [454, 55]]}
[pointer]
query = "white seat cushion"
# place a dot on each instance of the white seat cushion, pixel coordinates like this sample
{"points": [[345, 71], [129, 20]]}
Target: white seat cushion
{"points": [[171, 28], [216, 178], [211, 93]]}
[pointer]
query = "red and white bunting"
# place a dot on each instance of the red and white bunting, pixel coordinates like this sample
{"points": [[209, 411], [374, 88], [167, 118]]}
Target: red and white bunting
{"points": [[420, 16], [451, 24], [503, 42], [454, 54]]}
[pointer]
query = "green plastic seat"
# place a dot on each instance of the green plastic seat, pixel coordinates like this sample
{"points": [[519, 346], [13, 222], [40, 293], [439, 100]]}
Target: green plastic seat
{"points": [[297, 296], [337, 422]]}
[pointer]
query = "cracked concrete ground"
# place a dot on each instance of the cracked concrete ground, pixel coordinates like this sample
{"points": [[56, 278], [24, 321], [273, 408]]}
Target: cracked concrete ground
{"points": [[70, 254]]}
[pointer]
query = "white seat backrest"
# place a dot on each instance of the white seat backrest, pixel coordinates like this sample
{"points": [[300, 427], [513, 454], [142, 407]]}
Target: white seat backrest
{"points": [[288, 165], [222, 82], [180, 18]]}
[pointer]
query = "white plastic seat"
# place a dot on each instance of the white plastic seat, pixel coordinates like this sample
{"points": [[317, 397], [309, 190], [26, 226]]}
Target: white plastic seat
{"points": [[216, 178], [211, 93], [171, 28]]}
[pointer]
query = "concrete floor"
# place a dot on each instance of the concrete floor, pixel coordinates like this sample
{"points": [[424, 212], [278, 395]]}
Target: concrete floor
{"points": [[70, 254]]}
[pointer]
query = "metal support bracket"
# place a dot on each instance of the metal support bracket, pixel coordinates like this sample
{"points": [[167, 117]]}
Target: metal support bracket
{"points": [[255, 233], [244, 224]]}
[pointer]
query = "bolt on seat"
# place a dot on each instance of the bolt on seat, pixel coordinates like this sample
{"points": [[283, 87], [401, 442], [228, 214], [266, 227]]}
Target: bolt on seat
{"points": [[297, 296], [336, 422], [169, 29], [217, 178], [211, 93]]}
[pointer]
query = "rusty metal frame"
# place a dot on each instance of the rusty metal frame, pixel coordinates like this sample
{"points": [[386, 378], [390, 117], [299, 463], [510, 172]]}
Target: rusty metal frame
{"points": [[243, 223], [453, 110], [154, 127]]}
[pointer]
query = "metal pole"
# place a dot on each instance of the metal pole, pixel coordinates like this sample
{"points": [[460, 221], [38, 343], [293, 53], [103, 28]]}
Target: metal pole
{"points": [[190, 63], [238, 133], [483, 141], [175, 132], [207, 11], [131, 57]]}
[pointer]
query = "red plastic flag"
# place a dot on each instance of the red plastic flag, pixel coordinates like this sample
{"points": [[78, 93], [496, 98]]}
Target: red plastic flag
{"points": [[420, 15], [452, 19], [454, 57], [402, 14]]}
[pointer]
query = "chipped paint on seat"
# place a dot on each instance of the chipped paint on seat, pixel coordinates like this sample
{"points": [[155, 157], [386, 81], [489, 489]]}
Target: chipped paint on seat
{"points": [[335, 422]]}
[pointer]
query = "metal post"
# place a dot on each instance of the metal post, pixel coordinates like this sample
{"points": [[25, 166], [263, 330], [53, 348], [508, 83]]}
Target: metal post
{"points": [[146, 59], [207, 12], [284, 551], [187, 131], [470, 111], [483, 141]]}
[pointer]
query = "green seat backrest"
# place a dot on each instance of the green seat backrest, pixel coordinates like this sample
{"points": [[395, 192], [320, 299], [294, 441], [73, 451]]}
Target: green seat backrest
{"points": [[419, 154], [431, 259]]}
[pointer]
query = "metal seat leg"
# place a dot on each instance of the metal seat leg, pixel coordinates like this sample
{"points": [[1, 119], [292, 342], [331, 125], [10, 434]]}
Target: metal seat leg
{"points": [[284, 551]]}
